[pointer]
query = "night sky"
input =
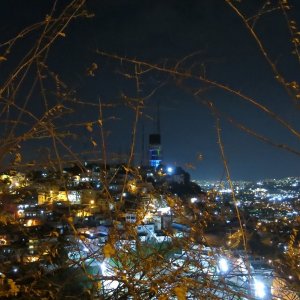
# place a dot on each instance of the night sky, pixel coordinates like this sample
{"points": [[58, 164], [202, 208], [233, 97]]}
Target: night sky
{"points": [[162, 33]]}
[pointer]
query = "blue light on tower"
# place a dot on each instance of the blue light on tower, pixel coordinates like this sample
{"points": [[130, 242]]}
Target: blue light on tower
{"points": [[155, 150]]}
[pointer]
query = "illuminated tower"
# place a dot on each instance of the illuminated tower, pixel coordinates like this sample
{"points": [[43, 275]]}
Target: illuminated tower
{"points": [[155, 150]]}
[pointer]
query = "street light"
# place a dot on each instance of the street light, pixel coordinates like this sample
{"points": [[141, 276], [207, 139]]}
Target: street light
{"points": [[107, 284], [259, 289], [170, 170], [194, 199], [223, 265], [103, 268]]}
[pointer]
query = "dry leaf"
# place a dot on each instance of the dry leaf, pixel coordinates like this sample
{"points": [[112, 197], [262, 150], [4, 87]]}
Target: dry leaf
{"points": [[108, 251], [180, 292], [18, 158], [89, 127], [91, 70]]}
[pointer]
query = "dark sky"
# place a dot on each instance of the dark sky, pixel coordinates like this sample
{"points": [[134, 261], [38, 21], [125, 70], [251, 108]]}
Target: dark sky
{"points": [[162, 33]]}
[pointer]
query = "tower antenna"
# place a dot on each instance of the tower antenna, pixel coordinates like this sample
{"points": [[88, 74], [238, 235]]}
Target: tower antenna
{"points": [[158, 117], [155, 149]]}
